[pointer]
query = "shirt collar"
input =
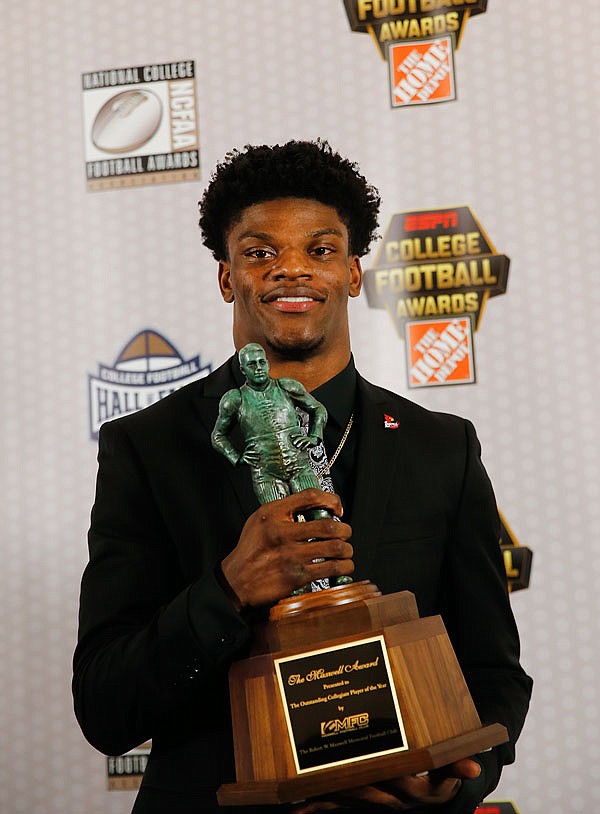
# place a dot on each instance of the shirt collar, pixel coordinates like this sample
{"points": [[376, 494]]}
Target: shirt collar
{"points": [[337, 394]]}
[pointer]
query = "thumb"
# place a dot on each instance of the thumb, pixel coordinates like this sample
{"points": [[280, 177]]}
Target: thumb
{"points": [[466, 768]]}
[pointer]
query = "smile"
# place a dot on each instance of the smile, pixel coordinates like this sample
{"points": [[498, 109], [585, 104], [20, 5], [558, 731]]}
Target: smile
{"points": [[294, 304], [296, 300]]}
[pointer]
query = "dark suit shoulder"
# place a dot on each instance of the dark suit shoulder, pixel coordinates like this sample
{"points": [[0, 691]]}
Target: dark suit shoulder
{"points": [[414, 416]]}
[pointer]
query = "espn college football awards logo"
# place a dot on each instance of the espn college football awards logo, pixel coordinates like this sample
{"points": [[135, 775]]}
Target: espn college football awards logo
{"points": [[418, 39], [148, 368], [140, 125], [434, 273]]}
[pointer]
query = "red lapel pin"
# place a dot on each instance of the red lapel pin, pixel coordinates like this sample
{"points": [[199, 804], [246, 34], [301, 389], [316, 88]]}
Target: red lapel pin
{"points": [[389, 422]]}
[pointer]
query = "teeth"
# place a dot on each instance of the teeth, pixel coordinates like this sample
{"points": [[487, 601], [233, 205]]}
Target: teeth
{"points": [[294, 299]]}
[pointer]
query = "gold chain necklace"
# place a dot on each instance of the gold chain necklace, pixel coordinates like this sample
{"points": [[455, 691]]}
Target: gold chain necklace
{"points": [[330, 463]]}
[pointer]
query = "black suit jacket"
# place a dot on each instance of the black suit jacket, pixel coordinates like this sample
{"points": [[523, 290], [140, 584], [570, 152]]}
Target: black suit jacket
{"points": [[158, 633]]}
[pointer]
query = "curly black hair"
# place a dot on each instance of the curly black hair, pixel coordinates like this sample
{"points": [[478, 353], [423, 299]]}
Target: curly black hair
{"points": [[298, 169]]}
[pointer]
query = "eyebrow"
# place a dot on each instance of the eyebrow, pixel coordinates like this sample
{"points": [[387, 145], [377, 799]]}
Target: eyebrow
{"points": [[317, 233], [258, 235], [328, 231]]}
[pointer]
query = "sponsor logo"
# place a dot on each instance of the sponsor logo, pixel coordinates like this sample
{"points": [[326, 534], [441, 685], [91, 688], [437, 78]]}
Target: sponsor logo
{"points": [[140, 125], [439, 352], [440, 267], [418, 39], [422, 72], [147, 369], [348, 724]]}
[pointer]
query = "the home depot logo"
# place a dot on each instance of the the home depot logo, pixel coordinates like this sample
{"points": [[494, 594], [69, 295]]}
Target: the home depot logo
{"points": [[421, 72], [440, 352]]}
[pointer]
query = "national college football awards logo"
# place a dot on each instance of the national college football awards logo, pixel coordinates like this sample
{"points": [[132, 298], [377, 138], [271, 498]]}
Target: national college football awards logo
{"points": [[148, 368], [140, 125], [418, 39], [125, 772], [434, 273]]}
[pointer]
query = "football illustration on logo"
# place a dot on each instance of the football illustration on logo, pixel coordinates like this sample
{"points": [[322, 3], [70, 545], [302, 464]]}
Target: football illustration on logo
{"points": [[126, 121], [148, 350]]}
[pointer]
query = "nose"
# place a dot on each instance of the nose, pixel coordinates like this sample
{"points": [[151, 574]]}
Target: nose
{"points": [[291, 263]]}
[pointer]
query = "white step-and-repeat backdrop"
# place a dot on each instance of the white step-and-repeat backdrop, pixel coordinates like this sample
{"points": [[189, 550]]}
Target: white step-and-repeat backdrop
{"points": [[477, 121]]}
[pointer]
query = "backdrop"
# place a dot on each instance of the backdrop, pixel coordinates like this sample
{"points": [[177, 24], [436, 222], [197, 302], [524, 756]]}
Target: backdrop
{"points": [[84, 272]]}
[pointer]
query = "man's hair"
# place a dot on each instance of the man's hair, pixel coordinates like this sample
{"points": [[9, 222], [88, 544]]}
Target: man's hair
{"points": [[298, 169]]}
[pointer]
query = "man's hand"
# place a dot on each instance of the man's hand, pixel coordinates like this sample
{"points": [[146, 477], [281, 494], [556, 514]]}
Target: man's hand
{"points": [[403, 794], [273, 556]]}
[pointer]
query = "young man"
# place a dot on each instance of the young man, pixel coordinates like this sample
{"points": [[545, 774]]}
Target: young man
{"points": [[182, 558]]}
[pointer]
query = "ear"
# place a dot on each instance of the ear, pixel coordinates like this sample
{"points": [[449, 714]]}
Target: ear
{"points": [[355, 276], [225, 281]]}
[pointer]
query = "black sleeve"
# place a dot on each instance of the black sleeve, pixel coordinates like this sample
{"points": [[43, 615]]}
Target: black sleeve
{"points": [[147, 639], [480, 621]]}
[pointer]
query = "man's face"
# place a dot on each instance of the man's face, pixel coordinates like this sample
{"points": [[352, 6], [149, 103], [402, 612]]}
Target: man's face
{"points": [[289, 274], [255, 367]]}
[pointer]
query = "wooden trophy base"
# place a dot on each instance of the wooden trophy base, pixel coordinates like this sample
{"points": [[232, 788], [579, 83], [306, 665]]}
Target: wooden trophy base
{"points": [[438, 722]]}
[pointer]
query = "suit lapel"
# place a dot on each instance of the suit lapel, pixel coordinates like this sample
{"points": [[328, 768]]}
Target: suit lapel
{"points": [[377, 460]]}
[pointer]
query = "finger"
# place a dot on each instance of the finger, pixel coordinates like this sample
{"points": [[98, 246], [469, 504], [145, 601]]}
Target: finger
{"points": [[326, 550], [321, 530], [315, 807], [299, 502], [424, 790], [465, 768], [371, 796], [327, 568]]}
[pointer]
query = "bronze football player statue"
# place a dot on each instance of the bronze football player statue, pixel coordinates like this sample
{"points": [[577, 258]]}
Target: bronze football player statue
{"points": [[275, 447]]}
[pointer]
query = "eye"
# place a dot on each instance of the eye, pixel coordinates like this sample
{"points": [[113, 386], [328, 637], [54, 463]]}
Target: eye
{"points": [[259, 254], [323, 251]]}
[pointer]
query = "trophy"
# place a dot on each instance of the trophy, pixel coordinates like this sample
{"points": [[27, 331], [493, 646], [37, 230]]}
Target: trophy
{"points": [[344, 687]]}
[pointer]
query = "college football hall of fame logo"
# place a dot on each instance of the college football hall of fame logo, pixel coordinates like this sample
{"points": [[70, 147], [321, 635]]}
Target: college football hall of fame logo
{"points": [[147, 369], [418, 39], [434, 273], [140, 125]]}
